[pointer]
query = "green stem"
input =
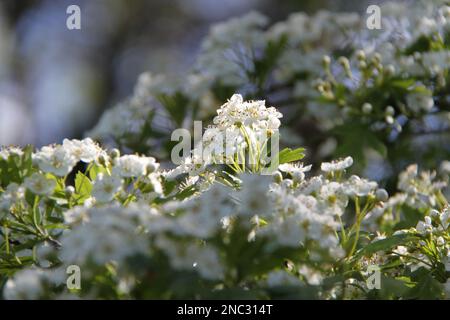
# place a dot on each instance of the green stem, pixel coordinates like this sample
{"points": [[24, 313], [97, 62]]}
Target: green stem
{"points": [[35, 214], [344, 235], [6, 232], [357, 226]]}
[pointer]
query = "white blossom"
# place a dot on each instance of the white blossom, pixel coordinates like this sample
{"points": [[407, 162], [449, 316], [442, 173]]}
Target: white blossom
{"points": [[337, 165], [13, 194], [105, 187], [39, 184], [57, 160], [359, 187], [83, 150], [296, 170], [133, 165]]}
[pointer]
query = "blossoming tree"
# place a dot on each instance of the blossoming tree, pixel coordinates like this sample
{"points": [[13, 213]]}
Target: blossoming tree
{"points": [[220, 224]]}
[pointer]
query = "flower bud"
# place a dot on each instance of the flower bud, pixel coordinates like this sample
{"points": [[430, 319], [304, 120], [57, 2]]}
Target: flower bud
{"points": [[317, 83], [326, 61], [69, 191], [360, 55], [151, 167], [362, 65], [389, 70], [367, 108], [277, 177], [389, 119], [115, 153], [390, 111], [381, 195], [343, 61], [377, 58], [102, 160]]}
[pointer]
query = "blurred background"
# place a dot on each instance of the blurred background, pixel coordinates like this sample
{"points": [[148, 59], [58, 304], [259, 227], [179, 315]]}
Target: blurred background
{"points": [[55, 82]]}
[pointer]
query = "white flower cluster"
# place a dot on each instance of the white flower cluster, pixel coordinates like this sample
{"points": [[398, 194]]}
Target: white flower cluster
{"points": [[45, 191], [442, 222], [5, 153], [252, 114], [102, 234], [311, 209], [145, 107], [241, 130], [229, 48], [422, 189], [12, 196], [61, 159], [309, 38]]}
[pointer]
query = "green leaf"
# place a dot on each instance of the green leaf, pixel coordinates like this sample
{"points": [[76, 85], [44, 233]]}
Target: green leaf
{"points": [[385, 244], [427, 288], [83, 186], [95, 170], [264, 66], [176, 105], [288, 155], [393, 287], [422, 44], [185, 193], [403, 83]]}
